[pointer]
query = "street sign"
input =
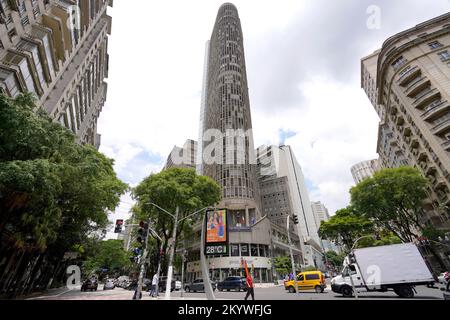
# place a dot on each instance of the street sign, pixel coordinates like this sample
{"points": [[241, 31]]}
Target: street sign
{"points": [[216, 237]]}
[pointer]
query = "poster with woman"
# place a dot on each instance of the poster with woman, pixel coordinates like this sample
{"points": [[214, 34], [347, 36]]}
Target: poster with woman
{"points": [[216, 226]]}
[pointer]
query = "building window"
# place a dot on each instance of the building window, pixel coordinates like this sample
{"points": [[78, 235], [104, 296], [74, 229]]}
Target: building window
{"points": [[434, 45], [399, 63], [244, 250], [234, 248], [444, 55]]}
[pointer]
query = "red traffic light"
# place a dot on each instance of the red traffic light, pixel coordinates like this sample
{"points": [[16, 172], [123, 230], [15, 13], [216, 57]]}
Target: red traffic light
{"points": [[141, 224]]}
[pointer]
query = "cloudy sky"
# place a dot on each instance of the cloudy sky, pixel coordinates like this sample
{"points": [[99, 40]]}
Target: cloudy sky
{"points": [[303, 67]]}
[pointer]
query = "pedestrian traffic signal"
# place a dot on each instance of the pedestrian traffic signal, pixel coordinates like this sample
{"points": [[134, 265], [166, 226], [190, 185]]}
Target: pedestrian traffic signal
{"points": [[351, 257], [142, 232], [295, 218], [118, 228]]}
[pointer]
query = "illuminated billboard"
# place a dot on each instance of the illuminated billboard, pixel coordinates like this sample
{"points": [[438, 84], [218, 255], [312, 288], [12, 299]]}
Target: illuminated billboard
{"points": [[216, 239]]}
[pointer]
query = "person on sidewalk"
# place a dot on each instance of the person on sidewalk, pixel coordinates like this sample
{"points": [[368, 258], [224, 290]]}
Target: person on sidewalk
{"points": [[250, 288], [154, 292]]}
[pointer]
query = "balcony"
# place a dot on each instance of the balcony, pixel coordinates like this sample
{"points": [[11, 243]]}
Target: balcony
{"points": [[414, 143], [400, 121], [416, 86], [408, 75], [422, 156], [441, 127], [435, 110], [440, 184], [446, 145], [407, 132], [426, 97]]}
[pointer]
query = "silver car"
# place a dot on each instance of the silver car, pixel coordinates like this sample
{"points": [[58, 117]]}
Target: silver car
{"points": [[109, 284], [197, 285]]}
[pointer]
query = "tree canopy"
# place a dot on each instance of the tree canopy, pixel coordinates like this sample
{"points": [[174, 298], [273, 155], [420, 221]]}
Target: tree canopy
{"points": [[345, 227], [393, 200], [108, 255], [53, 191], [169, 189]]}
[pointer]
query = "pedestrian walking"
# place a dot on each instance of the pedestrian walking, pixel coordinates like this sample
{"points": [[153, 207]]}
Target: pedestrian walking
{"points": [[154, 292], [250, 288]]}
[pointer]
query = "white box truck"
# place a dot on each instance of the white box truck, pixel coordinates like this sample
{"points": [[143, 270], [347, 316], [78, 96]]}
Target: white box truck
{"points": [[398, 267]]}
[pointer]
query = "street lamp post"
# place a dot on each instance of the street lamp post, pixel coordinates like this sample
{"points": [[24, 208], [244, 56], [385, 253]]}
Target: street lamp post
{"points": [[174, 236], [182, 272], [172, 253], [349, 272]]}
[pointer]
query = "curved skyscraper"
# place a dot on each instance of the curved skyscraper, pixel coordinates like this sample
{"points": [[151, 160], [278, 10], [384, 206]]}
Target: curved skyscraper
{"points": [[227, 120]]}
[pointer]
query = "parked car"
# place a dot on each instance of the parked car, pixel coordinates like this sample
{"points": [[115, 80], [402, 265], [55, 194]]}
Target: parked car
{"points": [[162, 284], [233, 283], [197, 285], [312, 280], [90, 284], [109, 284], [123, 281]]}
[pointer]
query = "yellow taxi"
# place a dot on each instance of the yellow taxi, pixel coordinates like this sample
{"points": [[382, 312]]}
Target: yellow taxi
{"points": [[311, 280]]}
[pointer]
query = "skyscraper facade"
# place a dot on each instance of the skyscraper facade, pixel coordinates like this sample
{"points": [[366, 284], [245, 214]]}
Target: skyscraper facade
{"points": [[320, 213], [412, 78], [183, 157], [227, 117], [58, 50], [364, 169], [227, 155]]}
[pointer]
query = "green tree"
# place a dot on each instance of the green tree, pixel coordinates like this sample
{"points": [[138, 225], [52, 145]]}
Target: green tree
{"points": [[107, 255], [282, 265], [169, 189], [54, 192], [393, 200], [336, 259], [345, 227]]}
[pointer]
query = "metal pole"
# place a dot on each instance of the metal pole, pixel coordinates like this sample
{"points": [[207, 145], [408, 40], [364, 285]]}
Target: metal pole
{"points": [[205, 272], [138, 292], [292, 255], [172, 253], [159, 269], [351, 281], [182, 273]]}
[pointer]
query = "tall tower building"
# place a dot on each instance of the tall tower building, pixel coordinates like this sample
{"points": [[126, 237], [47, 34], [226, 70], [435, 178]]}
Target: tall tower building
{"points": [[57, 50], [183, 157], [320, 213], [364, 169], [227, 118], [412, 97], [228, 156]]}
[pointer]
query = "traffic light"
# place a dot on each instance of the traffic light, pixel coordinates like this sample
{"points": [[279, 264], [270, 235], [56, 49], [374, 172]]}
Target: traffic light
{"points": [[118, 228], [295, 218], [142, 232], [351, 257]]}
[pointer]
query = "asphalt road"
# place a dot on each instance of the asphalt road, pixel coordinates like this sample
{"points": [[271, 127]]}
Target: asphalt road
{"points": [[272, 293]]}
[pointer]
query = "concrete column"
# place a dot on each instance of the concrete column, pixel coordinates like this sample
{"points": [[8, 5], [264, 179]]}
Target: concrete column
{"points": [[247, 217]]}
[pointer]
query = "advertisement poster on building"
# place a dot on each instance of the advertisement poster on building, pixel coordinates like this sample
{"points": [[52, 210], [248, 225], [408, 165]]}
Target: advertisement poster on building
{"points": [[216, 232]]}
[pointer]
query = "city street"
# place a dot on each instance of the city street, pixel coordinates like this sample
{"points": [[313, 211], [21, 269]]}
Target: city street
{"points": [[271, 293]]}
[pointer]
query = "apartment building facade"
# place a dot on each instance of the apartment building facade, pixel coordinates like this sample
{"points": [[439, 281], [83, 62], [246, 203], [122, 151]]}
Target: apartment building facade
{"points": [[412, 80], [58, 50]]}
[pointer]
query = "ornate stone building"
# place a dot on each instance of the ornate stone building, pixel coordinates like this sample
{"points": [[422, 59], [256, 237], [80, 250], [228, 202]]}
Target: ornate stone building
{"points": [[408, 82], [57, 50]]}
